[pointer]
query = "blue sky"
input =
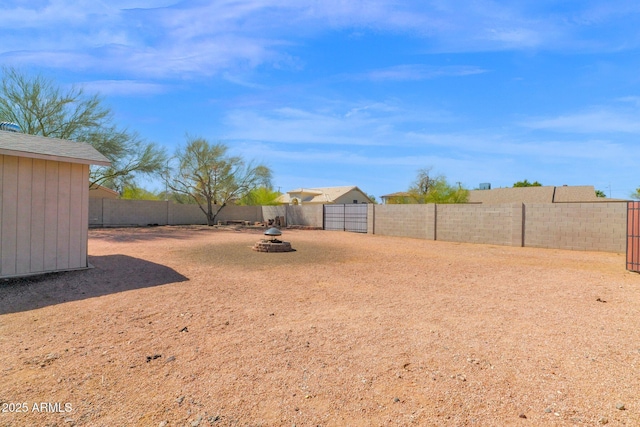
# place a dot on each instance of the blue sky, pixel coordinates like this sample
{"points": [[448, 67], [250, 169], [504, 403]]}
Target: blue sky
{"points": [[366, 93]]}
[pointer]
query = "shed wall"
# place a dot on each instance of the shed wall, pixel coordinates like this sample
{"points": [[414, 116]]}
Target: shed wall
{"points": [[43, 215]]}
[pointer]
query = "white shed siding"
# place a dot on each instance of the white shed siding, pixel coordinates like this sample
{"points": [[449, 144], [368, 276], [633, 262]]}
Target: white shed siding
{"points": [[51, 213], [62, 216], [9, 215], [43, 215], [23, 229], [38, 217]]}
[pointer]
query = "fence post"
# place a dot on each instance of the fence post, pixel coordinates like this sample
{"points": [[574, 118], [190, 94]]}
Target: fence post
{"points": [[344, 217]]}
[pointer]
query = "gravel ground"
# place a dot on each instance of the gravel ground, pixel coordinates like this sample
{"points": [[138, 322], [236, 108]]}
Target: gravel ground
{"points": [[187, 326]]}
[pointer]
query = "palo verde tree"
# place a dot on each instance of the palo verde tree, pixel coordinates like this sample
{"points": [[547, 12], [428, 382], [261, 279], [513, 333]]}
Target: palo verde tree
{"points": [[41, 107], [430, 188], [209, 176], [260, 196]]}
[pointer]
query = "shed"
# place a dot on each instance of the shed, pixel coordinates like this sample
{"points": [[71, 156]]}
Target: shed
{"points": [[44, 203]]}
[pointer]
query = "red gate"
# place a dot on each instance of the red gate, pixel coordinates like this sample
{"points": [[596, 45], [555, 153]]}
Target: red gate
{"points": [[633, 236]]}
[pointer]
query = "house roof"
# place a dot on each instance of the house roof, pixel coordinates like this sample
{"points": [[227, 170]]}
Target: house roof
{"points": [[396, 194], [307, 191], [319, 194], [95, 189], [40, 147], [576, 193], [543, 194]]}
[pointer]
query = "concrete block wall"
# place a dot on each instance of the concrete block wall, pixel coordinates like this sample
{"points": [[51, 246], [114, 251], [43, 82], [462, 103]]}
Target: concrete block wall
{"points": [[240, 213], [598, 226], [499, 224], [577, 226], [404, 220], [186, 214], [271, 212], [117, 212], [95, 212], [310, 215]]}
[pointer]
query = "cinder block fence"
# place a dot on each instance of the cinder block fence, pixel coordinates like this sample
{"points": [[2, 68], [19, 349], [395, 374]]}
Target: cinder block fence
{"points": [[597, 226]]}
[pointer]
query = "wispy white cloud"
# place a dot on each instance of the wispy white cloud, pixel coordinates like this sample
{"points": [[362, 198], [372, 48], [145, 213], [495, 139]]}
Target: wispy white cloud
{"points": [[358, 124], [634, 100], [412, 72], [388, 127], [294, 126], [171, 38], [595, 121], [123, 87]]}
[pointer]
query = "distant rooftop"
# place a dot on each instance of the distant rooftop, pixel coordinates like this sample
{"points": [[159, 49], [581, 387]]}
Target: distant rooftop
{"points": [[543, 194]]}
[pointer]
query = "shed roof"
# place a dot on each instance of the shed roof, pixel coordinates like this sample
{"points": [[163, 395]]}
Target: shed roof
{"points": [[40, 147]]}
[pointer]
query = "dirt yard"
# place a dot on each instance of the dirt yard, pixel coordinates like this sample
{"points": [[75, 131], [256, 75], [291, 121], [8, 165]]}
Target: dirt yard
{"points": [[187, 326]]}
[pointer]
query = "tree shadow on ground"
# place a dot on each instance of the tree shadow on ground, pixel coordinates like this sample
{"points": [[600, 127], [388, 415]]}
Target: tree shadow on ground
{"points": [[111, 274]]}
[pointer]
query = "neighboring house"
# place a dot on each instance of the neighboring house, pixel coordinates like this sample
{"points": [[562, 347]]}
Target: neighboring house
{"points": [[324, 196], [100, 192], [399, 197], [44, 203], [543, 194]]}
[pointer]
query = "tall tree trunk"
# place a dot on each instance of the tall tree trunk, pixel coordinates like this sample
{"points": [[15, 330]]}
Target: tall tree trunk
{"points": [[211, 217]]}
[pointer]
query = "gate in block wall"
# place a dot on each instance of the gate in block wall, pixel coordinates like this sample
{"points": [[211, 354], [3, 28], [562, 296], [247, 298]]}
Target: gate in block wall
{"points": [[633, 236], [347, 217]]}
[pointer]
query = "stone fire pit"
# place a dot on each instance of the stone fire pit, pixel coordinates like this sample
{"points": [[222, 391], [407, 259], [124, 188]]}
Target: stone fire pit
{"points": [[272, 244]]}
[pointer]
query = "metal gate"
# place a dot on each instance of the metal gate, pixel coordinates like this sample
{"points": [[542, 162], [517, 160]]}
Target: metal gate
{"points": [[348, 217], [633, 236]]}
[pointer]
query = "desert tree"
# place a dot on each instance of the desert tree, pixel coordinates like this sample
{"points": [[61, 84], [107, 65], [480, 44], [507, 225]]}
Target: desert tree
{"points": [[136, 192], [210, 177], [431, 188], [42, 107], [260, 196], [526, 183], [636, 194]]}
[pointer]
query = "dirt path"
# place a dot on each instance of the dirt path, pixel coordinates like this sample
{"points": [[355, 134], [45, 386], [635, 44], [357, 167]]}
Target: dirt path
{"points": [[187, 326]]}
